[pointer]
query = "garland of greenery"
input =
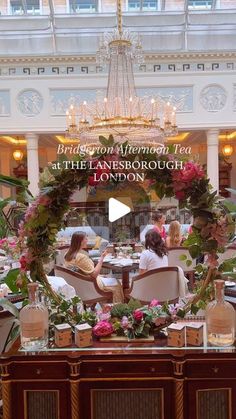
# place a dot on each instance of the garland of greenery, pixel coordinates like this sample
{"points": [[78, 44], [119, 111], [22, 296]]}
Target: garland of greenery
{"points": [[213, 225]]}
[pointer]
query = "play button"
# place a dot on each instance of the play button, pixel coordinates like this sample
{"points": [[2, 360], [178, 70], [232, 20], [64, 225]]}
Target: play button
{"points": [[115, 212], [117, 209]]}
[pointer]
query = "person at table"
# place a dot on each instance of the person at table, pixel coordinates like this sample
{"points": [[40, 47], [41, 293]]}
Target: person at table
{"points": [[159, 219], [155, 254], [174, 237], [78, 259]]}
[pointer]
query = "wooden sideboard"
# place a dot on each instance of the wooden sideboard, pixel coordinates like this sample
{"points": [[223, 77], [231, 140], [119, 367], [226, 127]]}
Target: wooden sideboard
{"points": [[120, 383]]}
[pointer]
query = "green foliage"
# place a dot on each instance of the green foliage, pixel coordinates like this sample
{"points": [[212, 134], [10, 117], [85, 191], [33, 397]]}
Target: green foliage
{"points": [[89, 317], [13, 335], [120, 310], [134, 304], [7, 305], [107, 142], [10, 280], [181, 313], [14, 182], [228, 265]]}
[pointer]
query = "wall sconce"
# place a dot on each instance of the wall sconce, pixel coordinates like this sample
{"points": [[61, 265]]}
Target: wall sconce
{"points": [[18, 155], [227, 150]]}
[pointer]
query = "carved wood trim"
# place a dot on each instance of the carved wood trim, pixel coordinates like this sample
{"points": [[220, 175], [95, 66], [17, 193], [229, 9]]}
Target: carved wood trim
{"points": [[6, 398], [74, 369], [179, 399], [178, 367], [74, 389]]}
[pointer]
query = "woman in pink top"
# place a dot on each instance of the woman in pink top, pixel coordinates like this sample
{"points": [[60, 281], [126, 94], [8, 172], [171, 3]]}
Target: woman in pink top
{"points": [[158, 220]]}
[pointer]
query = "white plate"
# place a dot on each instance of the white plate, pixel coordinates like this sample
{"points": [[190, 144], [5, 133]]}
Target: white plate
{"points": [[229, 283]]}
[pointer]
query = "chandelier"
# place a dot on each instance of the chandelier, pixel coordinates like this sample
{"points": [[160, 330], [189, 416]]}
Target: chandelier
{"points": [[122, 113]]}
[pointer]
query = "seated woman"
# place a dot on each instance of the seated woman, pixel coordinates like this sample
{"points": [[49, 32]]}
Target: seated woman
{"points": [[77, 258], [174, 238], [159, 219], [155, 255]]}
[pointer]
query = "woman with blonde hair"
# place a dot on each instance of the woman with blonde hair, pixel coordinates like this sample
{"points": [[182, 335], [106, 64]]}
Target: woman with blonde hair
{"points": [[174, 238]]}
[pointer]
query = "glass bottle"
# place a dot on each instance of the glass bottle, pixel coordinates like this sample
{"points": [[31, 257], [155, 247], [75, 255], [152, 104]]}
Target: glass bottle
{"points": [[220, 318], [34, 322]]}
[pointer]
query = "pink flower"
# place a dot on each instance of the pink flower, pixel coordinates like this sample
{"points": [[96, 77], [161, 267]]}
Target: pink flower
{"points": [[106, 308], [138, 315], [154, 303], [190, 172], [23, 263], [104, 316], [103, 328], [31, 211]]}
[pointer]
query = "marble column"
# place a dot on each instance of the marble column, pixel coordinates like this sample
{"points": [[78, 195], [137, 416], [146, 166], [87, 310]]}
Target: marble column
{"points": [[33, 162], [213, 157]]}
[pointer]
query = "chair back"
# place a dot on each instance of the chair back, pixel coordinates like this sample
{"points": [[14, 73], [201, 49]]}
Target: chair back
{"points": [[161, 284], [60, 254], [174, 254], [86, 288]]}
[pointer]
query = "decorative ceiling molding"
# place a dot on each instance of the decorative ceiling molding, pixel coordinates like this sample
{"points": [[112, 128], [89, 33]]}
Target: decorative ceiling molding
{"points": [[92, 58]]}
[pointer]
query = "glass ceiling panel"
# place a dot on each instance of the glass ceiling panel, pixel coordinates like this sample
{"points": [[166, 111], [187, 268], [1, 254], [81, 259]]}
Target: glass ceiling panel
{"points": [[50, 7], [63, 27]]}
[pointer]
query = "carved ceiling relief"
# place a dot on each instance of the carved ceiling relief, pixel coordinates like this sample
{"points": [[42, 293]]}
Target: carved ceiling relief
{"points": [[213, 98], [30, 102]]}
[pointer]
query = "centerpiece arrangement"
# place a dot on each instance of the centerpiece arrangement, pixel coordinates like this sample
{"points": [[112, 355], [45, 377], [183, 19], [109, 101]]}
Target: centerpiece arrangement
{"points": [[213, 228]]}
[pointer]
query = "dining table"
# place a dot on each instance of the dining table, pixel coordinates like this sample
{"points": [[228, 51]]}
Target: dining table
{"points": [[125, 270]]}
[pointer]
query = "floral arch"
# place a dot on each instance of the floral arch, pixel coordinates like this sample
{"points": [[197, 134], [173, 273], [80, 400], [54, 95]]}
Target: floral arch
{"points": [[212, 228]]}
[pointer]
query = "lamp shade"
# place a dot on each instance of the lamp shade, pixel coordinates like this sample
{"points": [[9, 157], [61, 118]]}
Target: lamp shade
{"points": [[227, 150], [18, 155]]}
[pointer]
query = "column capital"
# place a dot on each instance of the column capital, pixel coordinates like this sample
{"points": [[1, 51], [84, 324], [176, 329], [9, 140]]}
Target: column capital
{"points": [[32, 139], [213, 136]]}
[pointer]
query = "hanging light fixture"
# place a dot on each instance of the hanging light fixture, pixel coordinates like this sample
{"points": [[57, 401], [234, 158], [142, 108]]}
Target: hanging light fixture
{"points": [[122, 112], [18, 154], [227, 150]]}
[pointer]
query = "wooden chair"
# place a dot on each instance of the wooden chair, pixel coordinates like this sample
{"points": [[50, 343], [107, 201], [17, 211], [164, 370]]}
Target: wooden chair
{"points": [[161, 284], [86, 288], [174, 254]]}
